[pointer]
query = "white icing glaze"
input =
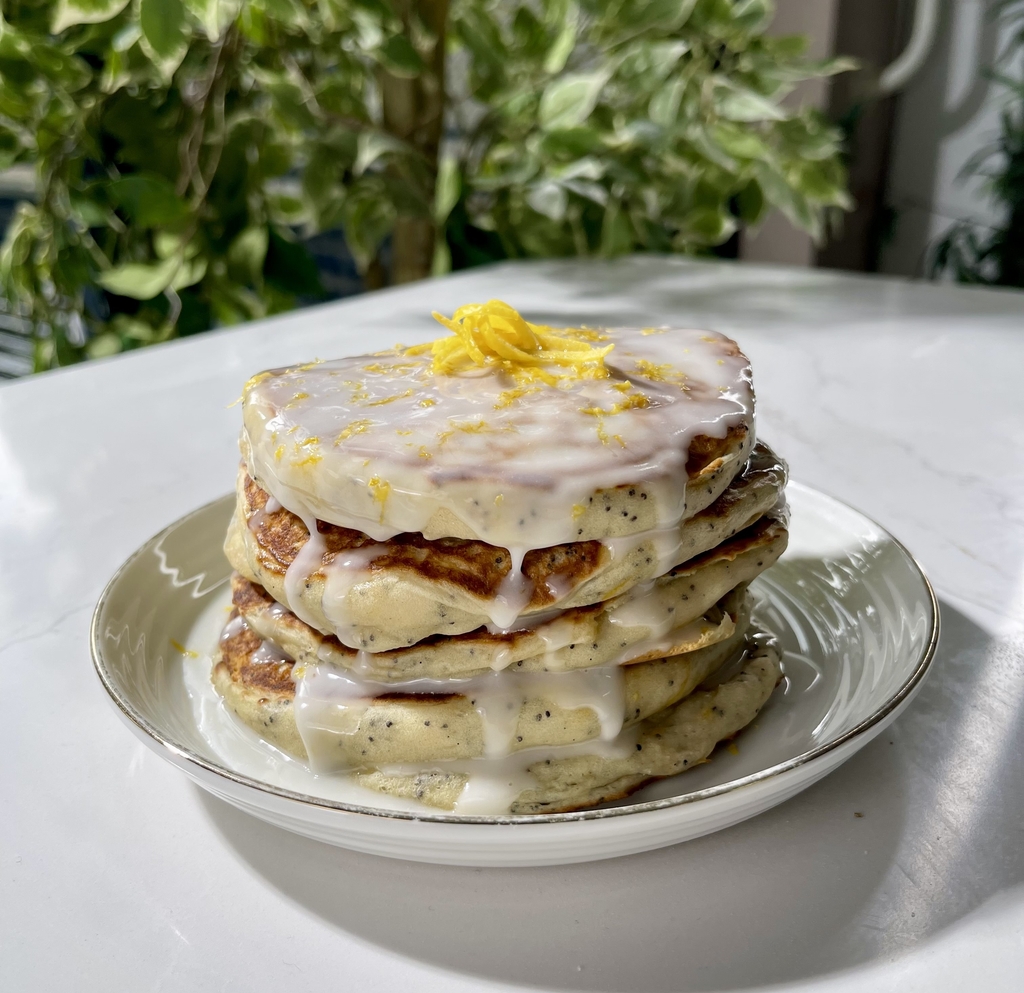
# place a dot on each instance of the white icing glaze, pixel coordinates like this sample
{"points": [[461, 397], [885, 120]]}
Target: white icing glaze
{"points": [[345, 571], [302, 567], [330, 702], [268, 652], [236, 625], [380, 444], [665, 543], [351, 567], [492, 785]]}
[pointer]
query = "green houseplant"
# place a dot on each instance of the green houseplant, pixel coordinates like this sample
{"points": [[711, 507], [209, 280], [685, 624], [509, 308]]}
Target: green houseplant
{"points": [[183, 146], [995, 257]]}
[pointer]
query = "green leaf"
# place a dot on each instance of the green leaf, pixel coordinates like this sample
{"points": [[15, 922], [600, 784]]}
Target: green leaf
{"points": [[248, 252], [738, 103], [139, 280], [548, 199], [569, 100], [103, 345], [560, 50], [72, 12], [666, 15], [372, 145], [216, 15], [148, 200], [398, 56], [750, 203], [664, 105], [446, 189], [740, 143], [441, 264], [190, 273], [368, 218], [164, 32]]}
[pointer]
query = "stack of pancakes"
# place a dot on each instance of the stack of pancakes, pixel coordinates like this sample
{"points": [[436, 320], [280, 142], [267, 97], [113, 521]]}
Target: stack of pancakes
{"points": [[508, 572]]}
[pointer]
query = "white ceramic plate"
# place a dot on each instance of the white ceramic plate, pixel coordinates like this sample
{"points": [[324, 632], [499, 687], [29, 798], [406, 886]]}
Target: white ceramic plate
{"points": [[855, 614]]}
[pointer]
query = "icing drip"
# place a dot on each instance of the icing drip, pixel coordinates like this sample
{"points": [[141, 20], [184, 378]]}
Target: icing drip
{"points": [[513, 595], [234, 626], [346, 571], [330, 703], [269, 652], [305, 564], [492, 785]]}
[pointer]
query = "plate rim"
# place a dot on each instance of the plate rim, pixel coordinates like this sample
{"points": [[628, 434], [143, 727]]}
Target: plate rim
{"points": [[132, 715]]}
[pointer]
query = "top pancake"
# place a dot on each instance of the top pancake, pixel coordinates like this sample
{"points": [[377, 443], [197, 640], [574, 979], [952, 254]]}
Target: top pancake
{"points": [[386, 445]]}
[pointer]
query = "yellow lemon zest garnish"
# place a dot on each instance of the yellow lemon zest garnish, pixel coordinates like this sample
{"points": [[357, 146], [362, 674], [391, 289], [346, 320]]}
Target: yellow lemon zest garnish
{"points": [[253, 380], [508, 397], [249, 384], [401, 432], [380, 489], [279, 452], [392, 399], [356, 427], [654, 330], [382, 369], [310, 459], [296, 399], [656, 373], [578, 510], [632, 401], [312, 440], [427, 402], [618, 438], [494, 335], [424, 454], [601, 433], [499, 499], [187, 652]]}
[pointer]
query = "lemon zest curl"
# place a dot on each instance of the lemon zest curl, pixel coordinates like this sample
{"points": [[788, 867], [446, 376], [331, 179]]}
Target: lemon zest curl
{"points": [[495, 335]]}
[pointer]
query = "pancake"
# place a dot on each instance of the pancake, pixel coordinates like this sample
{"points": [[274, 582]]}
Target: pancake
{"points": [[668, 743], [573, 639], [378, 596], [350, 724], [540, 437]]}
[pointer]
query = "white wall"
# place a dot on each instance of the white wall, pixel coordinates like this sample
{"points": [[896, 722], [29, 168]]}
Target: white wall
{"points": [[947, 113]]}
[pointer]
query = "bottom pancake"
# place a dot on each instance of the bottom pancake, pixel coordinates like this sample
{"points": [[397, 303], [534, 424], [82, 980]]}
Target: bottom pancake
{"points": [[321, 714], [667, 743]]}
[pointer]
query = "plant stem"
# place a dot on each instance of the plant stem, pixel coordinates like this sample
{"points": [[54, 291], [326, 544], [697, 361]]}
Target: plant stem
{"points": [[414, 111]]}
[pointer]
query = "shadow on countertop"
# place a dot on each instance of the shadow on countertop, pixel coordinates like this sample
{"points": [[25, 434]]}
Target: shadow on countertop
{"points": [[805, 889]]}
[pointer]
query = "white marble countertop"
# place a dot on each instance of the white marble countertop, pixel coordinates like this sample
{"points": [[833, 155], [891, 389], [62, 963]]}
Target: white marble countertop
{"points": [[116, 873]]}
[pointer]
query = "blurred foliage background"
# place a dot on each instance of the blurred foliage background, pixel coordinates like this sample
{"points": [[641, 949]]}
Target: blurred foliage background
{"points": [[186, 150], [995, 256]]}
